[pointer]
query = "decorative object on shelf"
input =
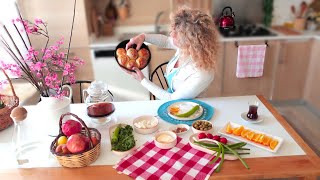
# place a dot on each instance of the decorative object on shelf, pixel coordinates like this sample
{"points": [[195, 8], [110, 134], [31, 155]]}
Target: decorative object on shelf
{"points": [[7, 103], [123, 9], [71, 154], [268, 10], [46, 69]]}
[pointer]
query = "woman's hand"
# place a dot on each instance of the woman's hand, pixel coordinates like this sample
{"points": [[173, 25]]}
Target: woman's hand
{"points": [[138, 40], [138, 75]]}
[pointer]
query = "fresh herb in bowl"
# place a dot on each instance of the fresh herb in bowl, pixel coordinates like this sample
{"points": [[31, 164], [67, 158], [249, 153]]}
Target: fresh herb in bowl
{"points": [[122, 138]]}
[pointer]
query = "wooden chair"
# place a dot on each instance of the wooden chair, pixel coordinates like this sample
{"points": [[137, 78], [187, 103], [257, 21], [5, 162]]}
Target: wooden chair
{"points": [[78, 91], [159, 79]]}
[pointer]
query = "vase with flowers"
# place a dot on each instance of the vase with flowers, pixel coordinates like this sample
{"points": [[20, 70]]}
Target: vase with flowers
{"points": [[47, 69]]}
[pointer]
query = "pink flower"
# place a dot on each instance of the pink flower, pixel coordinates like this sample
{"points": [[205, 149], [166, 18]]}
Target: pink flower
{"points": [[38, 21]]}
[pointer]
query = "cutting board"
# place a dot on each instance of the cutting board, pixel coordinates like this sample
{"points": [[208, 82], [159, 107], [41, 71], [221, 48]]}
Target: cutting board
{"points": [[285, 30]]}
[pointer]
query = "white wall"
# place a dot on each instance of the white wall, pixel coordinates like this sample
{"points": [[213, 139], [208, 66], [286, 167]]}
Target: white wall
{"points": [[282, 12]]}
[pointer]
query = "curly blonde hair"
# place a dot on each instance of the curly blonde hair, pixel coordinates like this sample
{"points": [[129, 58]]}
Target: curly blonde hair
{"points": [[197, 36]]}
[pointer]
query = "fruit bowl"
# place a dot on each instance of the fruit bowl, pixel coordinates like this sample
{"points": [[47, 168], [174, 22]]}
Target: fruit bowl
{"points": [[73, 155], [137, 57]]}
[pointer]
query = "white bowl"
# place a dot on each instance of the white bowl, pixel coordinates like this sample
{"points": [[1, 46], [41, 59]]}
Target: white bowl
{"points": [[200, 131], [120, 153], [147, 129], [172, 128], [165, 145]]}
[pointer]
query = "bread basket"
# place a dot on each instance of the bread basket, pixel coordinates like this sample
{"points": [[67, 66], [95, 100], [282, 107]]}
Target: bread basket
{"points": [[10, 102], [81, 159]]}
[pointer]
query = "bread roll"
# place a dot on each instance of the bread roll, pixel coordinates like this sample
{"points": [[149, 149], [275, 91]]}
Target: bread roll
{"points": [[131, 64], [120, 51], [141, 62], [132, 53], [144, 53], [123, 59]]}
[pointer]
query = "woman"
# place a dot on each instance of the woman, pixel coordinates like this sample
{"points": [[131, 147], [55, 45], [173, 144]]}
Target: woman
{"points": [[190, 72]]}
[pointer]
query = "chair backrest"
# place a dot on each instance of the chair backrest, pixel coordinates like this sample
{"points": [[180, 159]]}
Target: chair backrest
{"points": [[159, 78], [78, 87]]}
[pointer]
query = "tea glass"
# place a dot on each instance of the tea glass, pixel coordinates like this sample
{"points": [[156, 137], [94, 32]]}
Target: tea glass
{"points": [[253, 110]]}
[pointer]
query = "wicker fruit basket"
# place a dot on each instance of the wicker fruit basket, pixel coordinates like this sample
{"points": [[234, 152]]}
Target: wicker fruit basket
{"points": [[81, 159], [10, 103]]}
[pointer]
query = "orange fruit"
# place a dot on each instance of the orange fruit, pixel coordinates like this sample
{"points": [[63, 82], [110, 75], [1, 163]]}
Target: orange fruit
{"points": [[261, 139], [250, 135], [62, 140], [256, 137], [229, 129], [266, 140], [244, 133], [238, 130], [273, 144]]}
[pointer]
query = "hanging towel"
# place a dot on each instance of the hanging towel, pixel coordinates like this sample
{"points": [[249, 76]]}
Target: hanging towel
{"points": [[250, 61]]}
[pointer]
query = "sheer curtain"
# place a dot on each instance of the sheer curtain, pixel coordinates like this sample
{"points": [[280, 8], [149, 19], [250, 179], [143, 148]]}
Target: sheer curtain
{"points": [[8, 12]]}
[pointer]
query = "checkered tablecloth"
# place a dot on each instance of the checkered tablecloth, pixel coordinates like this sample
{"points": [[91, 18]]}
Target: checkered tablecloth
{"points": [[180, 162]]}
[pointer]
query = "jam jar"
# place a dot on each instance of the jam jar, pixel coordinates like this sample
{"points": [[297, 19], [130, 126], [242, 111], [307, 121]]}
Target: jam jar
{"points": [[98, 100]]}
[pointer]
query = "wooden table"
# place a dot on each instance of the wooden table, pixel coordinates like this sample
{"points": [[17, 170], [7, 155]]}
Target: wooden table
{"points": [[303, 166]]}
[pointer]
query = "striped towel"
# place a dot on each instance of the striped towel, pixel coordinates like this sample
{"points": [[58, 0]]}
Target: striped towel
{"points": [[250, 61]]}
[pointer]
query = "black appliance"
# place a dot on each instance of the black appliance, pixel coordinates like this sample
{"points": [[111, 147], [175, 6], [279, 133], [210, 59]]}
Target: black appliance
{"points": [[248, 30]]}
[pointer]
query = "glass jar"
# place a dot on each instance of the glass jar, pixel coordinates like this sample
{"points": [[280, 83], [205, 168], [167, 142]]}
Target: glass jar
{"points": [[98, 100], [30, 147]]}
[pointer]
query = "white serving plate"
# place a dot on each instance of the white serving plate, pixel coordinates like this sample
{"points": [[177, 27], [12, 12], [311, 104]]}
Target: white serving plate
{"points": [[194, 137], [185, 106], [120, 153], [240, 138]]}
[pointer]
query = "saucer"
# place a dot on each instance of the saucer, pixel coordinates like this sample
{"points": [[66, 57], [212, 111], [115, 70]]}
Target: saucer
{"points": [[244, 117]]}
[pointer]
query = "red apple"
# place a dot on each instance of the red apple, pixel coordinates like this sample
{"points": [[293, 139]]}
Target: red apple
{"points": [[59, 149], [76, 143], [65, 149], [71, 127]]}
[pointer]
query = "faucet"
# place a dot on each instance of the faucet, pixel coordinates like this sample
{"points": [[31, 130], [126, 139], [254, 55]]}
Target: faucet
{"points": [[156, 23]]}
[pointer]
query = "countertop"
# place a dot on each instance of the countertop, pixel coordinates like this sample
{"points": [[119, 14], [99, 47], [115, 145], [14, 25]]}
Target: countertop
{"points": [[111, 42]]}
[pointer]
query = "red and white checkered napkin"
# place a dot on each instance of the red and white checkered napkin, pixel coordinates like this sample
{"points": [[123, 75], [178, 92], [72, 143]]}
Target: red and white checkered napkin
{"points": [[180, 162], [250, 61]]}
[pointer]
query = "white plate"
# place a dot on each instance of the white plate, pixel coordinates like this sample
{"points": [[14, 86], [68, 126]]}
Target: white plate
{"points": [[120, 153], [194, 137], [185, 106], [260, 118], [240, 138]]}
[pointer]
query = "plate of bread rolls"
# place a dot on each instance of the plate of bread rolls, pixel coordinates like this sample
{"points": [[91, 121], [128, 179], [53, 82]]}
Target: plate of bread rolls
{"points": [[131, 57]]}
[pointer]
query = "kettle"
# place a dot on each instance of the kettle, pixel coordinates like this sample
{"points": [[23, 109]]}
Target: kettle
{"points": [[226, 20]]}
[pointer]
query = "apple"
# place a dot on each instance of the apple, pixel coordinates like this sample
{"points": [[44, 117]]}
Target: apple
{"points": [[59, 149], [93, 139], [71, 127], [76, 143]]}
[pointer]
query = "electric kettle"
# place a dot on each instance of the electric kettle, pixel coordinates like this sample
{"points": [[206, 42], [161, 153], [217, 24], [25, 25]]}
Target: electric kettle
{"points": [[226, 20]]}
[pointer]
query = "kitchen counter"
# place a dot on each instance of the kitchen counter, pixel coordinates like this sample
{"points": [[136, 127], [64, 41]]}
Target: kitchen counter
{"points": [[111, 42]]}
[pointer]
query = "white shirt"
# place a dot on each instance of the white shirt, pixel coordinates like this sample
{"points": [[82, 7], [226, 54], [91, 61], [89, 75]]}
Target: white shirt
{"points": [[190, 82]]}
